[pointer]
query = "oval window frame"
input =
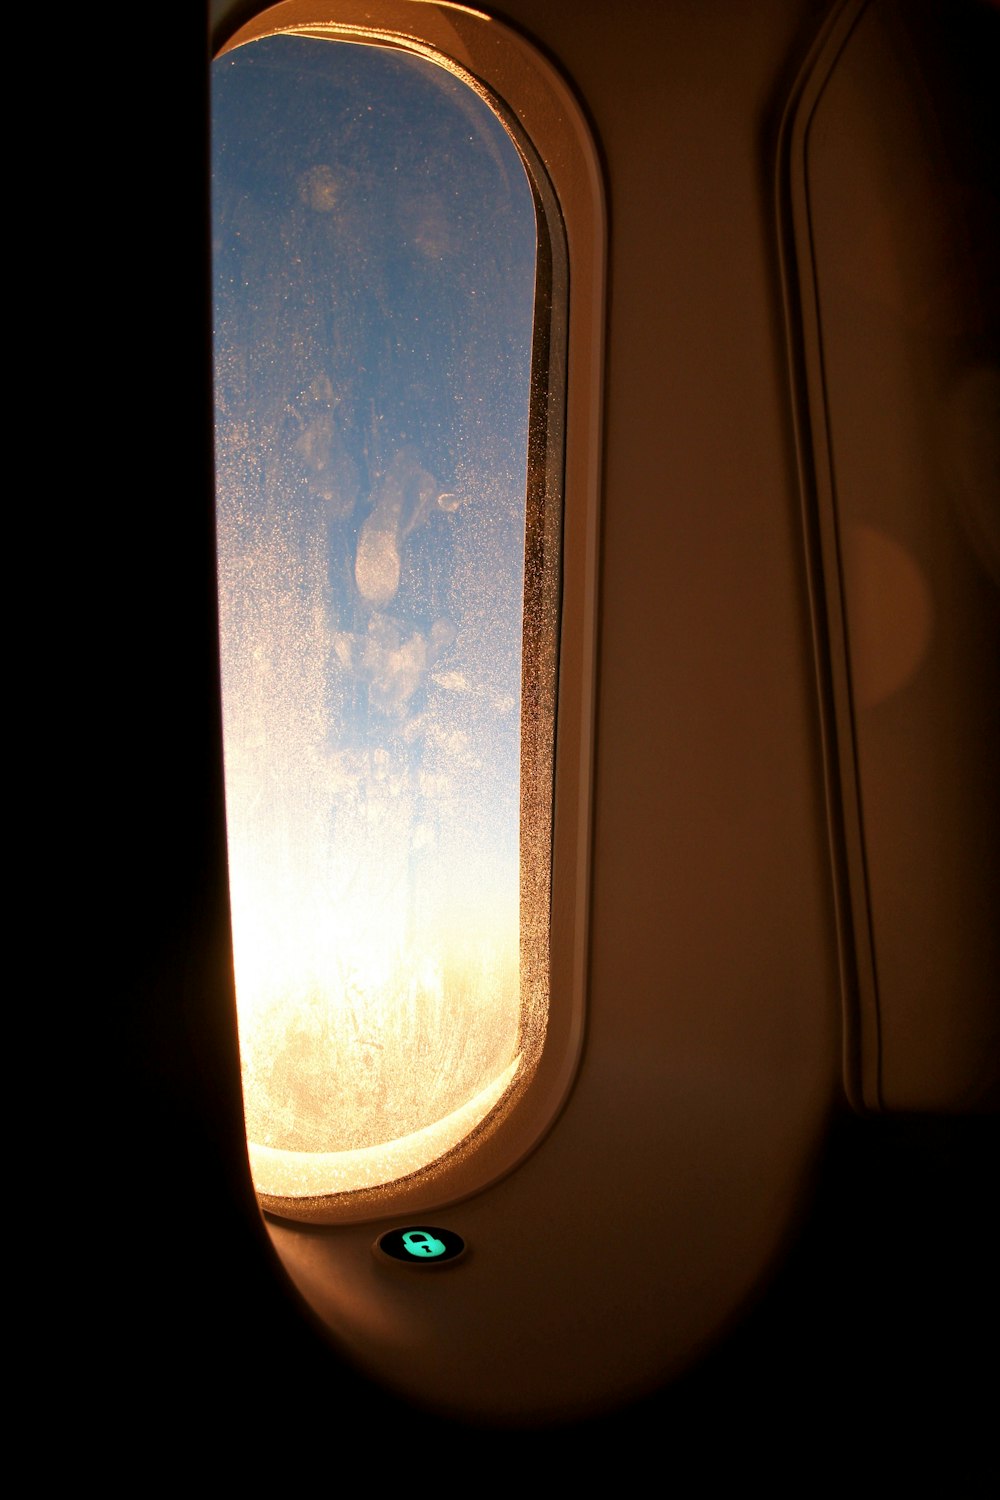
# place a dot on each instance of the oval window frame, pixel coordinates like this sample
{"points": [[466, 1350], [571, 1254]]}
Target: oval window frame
{"points": [[547, 125]]}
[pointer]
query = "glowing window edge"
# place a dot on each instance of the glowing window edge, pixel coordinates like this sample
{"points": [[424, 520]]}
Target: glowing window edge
{"points": [[548, 128]]}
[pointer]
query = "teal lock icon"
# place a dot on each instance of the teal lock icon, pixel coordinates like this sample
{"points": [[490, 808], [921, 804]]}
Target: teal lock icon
{"points": [[421, 1242], [427, 1246]]}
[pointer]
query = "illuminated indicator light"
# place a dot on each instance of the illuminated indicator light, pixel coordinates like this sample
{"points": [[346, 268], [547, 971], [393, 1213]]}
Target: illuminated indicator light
{"points": [[421, 1246], [421, 1242]]}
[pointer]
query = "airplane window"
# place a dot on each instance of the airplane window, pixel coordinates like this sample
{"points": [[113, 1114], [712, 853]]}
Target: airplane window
{"points": [[375, 262]]}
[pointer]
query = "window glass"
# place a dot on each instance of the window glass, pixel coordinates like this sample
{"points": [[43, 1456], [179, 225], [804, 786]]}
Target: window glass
{"points": [[374, 248]]}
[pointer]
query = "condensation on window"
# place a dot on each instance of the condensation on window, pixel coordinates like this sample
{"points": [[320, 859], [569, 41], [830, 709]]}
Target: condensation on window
{"points": [[374, 261]]}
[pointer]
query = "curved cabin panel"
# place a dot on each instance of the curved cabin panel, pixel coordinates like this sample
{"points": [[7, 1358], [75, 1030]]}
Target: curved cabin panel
{"points": [[701, 895], [895, 235]]}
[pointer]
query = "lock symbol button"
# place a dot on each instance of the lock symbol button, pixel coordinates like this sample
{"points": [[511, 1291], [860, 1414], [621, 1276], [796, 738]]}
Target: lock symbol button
{"points": [[420, 1247], [421, 1242]]}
